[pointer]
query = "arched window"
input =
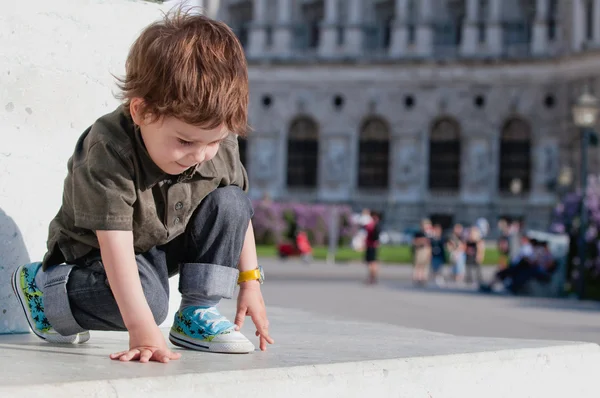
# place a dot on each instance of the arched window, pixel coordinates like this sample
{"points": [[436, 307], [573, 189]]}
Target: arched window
{"points": [[515, 156], [444, 156], [302, 153], [374, 154]]}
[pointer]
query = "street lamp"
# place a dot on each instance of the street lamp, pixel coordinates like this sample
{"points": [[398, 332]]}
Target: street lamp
{"points": [[585, 113]]}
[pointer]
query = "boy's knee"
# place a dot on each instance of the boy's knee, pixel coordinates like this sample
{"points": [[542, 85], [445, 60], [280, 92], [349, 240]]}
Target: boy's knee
{"points": [[232, 203], [158, 301]]}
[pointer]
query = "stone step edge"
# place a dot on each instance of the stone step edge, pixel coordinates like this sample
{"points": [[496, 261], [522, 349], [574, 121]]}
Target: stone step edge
{"points": [[543, 371]]}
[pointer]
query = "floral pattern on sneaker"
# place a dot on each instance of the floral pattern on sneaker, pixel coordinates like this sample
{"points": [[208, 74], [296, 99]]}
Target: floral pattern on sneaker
{"points": [[202, 323], [31, 299], [34, 298]]}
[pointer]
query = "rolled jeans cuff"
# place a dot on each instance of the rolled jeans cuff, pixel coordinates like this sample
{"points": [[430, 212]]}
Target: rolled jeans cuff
{"points": [[56, 301], [208, 280]]}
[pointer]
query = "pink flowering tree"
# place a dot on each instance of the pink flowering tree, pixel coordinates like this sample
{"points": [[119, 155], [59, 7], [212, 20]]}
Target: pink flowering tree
{"points": [[565, 219], [276, 222]]}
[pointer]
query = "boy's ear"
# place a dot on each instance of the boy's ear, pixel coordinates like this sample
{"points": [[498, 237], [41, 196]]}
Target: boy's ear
{"points": [[136, 109]]}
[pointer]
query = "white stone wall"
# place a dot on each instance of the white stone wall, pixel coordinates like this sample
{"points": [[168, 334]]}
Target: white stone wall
{"points": [[55, 79]]}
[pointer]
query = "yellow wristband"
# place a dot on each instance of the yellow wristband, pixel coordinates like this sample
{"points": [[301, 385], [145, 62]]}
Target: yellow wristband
{"points": [[252, 275]]}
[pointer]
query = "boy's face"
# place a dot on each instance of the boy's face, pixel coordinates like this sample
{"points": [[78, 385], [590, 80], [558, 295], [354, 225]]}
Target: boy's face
{"points": [[175, 146]]}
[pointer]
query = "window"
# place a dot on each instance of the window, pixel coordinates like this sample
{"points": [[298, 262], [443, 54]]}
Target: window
{"points": [[374, 153], [552, 19], [302, 153], [412, 18], [444, 156], [313, 13], [241, 17], [481, 21], [515, 156], [589, 23], [457, 17]]}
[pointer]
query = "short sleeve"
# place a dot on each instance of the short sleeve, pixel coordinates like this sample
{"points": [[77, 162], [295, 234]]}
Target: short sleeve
{"points": [[104, 190], [230, 164]]}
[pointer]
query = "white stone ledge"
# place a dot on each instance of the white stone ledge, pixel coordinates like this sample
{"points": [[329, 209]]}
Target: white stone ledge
{"points": [[313, 357]]}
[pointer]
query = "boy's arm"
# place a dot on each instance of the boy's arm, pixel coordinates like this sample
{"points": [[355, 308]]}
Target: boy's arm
{"points": [[250, 300], [146, 342]]}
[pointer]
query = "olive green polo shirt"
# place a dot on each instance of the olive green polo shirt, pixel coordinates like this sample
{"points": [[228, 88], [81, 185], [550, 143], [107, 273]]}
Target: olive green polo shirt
{"points": [[113, 184]]}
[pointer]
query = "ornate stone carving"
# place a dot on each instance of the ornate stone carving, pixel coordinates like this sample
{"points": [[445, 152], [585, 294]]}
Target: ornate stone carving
{"points": [[546, 165], [479, 171], [407, 165], [264, 157], [337, 161]]}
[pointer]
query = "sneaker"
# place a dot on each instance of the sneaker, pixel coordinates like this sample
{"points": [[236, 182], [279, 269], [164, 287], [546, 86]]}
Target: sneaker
{"points": [[32, 301], [205, 329]]}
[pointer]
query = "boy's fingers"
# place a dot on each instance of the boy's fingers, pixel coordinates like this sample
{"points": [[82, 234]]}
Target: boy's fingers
{"points": [[117, 355], [264, 340], [146, 355], [133, 354], [239, 318], [262, 324], [164, 356], [174, 355]]}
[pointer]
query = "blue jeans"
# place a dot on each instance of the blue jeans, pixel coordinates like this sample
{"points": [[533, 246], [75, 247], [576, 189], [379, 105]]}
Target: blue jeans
{"points": [[437, 263], [460, 263], [77, 297]]}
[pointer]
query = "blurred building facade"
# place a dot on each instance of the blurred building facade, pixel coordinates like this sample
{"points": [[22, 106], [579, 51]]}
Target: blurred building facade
{"points": [[448, 109]]}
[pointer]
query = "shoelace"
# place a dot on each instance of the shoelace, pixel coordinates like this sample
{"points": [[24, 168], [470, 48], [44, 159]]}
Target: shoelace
{"points": [[211, 310]]}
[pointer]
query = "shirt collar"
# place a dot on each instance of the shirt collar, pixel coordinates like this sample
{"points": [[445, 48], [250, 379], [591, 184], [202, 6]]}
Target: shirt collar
{"points": [[151, 174]]}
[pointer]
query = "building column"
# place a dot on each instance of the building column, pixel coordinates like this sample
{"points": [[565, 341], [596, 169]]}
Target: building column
{"points": [[578, 23], [469, 29], [597, 23], [353, 31], [424, 29], [494, 28], [540, 28], [328, 44], [258, 34], [400, 32], [283, 29]]}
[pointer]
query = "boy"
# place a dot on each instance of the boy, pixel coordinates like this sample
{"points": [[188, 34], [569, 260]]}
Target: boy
{"points": [[153, 189]]}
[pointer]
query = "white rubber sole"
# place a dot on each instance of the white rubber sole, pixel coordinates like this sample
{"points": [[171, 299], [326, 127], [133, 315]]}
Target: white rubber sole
{"points": [[50, 337], [231, 347]]}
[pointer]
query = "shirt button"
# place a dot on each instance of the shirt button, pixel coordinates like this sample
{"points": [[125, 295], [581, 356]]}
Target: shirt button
{"points": [[178, 206], [177, 220]]}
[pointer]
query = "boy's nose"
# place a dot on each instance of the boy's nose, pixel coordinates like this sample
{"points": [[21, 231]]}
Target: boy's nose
{"points": [[199, 156]]}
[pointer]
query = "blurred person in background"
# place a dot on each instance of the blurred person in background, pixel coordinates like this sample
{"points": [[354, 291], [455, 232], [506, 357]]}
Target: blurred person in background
{"points": [[372, 244], [475, 251], [362, 220], [456, 247], [422, 253], [503, 245], [438, 254]]}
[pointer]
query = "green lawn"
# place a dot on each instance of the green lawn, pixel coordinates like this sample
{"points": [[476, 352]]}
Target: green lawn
{"points": [[387, 254]]}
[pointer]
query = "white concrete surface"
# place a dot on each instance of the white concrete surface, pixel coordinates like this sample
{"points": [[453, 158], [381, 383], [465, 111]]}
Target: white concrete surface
{"points": [[312, 357], [56, 63]]}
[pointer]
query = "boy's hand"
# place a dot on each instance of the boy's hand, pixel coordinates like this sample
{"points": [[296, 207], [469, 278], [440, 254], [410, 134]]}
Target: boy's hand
{"points": [[250, 302], [146, 344]]}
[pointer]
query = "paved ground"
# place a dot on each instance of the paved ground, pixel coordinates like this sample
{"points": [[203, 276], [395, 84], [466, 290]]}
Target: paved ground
{"points": [[338, 291]]}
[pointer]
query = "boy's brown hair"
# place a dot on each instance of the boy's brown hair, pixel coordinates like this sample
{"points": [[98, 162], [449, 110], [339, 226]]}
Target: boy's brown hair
{"points": [[190, 67]]}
